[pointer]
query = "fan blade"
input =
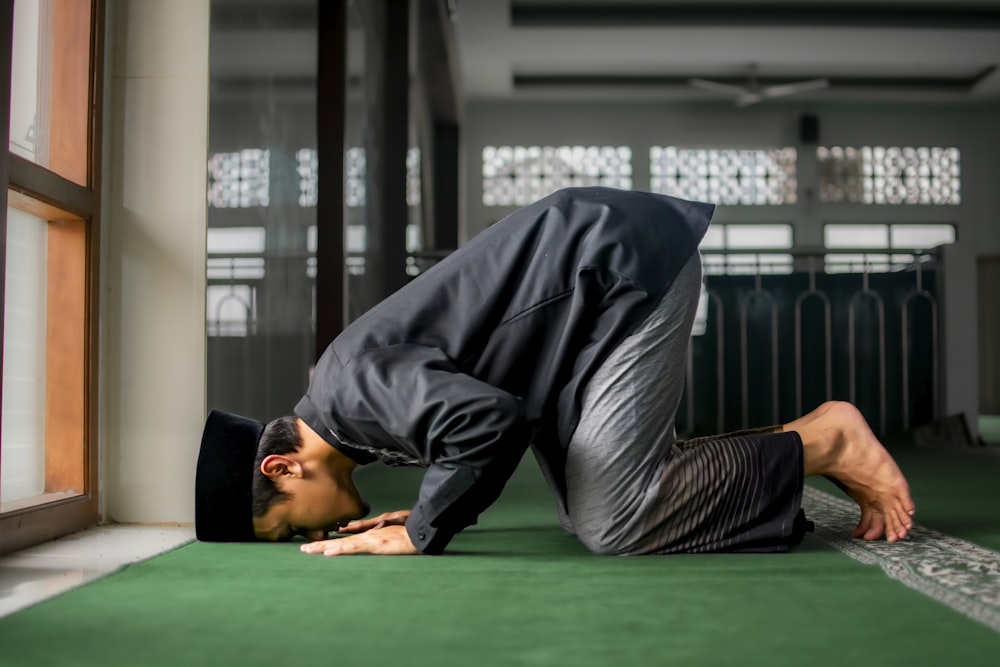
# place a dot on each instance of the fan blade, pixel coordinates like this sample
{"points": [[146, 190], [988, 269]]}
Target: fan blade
{"points": [[748, 98], [784, 89], [717, 87]]}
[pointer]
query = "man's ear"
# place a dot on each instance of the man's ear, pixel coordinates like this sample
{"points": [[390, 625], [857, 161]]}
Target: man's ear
{"points": [[275, 466]]}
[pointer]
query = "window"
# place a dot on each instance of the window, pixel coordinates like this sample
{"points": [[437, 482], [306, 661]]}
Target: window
{"points": [[875, 239], [724, 176], [920, 236], [241, 179], [746, 239], [308, 171], [520, 175], [48, 447], [235, 265], [355, 173], [889, 175], [413, 177], [355, 231]]}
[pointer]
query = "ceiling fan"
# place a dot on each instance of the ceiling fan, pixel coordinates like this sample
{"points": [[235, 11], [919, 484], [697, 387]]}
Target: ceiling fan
{"points": [[752, 92]]}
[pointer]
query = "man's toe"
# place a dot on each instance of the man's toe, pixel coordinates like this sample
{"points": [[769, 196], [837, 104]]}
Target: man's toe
{"points": [[864, 524]]}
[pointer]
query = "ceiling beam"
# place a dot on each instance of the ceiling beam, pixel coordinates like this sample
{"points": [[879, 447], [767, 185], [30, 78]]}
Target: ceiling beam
{"points": [[607, 14], [880, 82]]}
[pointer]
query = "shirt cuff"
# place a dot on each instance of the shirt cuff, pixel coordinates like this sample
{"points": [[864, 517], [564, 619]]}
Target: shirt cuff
{"points": [[425, 537]]}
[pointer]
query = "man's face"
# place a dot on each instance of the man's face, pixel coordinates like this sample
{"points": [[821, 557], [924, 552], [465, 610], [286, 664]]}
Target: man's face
{"points": [[322, 499]]}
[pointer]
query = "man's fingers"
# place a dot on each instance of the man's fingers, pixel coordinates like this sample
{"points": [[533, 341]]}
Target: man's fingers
{"points": [[342, 545], [316, 547], [346, 546], [374, 523], [358, 526]]}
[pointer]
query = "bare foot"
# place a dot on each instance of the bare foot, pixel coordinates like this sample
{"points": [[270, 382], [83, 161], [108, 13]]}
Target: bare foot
{"points": [[838, 443]]}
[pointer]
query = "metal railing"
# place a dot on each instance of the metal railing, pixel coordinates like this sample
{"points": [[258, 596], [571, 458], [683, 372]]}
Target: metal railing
{"points": [[761, 300]]}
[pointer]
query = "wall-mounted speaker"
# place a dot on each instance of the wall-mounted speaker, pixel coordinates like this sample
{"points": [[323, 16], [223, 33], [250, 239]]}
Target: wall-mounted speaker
{"points": [[809, 128]]}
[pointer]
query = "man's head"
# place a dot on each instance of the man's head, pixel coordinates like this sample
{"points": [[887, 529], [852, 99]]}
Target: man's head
{"points": [[302, 485], [270, 482]]}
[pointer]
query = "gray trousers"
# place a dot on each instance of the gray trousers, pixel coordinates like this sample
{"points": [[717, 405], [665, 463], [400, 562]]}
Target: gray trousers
{"points": [[632, 489]]}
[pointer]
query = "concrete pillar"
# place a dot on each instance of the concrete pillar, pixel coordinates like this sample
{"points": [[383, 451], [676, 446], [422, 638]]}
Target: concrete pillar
{"points": [[153, 264]]}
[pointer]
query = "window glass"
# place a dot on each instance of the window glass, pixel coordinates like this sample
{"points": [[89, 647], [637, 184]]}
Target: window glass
{"points": [[231, 310], [413, 176], [307, 168], [262, 170], [50, 85], [879, 236], [227, 268], [721, 237], [758, 236], [856, 236], [42, 458], [23, 452], [237, 239], [355, 173], [231, 257], [921, 236], [715, 238]]}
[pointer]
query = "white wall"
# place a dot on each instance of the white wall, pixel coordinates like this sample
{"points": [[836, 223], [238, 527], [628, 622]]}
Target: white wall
{"points": [[153, 262], [974, 130]]}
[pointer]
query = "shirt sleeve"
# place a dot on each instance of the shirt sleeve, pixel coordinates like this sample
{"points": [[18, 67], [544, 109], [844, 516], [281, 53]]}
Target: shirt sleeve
{"points": [[471, 434]]}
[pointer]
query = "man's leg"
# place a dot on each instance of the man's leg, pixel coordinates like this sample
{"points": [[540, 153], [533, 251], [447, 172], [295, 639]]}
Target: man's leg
{"points": [[631, 489], [882, 493]]}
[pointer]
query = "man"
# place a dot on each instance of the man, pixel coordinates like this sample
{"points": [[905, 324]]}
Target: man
{"points": [[563, 327]]}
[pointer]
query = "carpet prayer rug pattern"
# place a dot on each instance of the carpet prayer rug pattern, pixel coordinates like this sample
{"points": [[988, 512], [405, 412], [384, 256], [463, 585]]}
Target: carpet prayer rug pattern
{"points": [[960, 574]]}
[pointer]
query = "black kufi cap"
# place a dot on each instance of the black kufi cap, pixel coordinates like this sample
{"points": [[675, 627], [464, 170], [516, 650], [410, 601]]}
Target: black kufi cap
{"points": [[222, 489]]}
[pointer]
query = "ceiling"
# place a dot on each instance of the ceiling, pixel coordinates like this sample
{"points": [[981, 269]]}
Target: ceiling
{"points": [[874, 50]]}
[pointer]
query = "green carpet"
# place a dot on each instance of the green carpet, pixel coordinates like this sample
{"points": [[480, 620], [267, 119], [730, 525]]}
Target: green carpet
{"points": [[989, 429], [515, 590]]}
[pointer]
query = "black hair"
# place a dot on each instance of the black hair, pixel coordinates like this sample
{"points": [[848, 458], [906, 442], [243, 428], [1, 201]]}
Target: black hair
{"points": [[280, 436]]}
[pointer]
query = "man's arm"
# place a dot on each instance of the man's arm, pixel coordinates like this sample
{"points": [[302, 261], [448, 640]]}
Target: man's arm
{"points": [[471, 434]]}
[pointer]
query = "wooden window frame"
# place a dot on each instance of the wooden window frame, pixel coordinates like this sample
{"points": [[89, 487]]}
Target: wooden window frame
{"points": [[74, 247]]}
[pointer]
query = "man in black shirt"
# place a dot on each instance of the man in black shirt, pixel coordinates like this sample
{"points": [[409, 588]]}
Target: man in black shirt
{"points": [[564, 328]]}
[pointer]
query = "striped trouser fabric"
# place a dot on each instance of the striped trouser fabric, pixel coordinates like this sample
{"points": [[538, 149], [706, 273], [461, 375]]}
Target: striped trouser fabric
{"points": [[631, 488]]}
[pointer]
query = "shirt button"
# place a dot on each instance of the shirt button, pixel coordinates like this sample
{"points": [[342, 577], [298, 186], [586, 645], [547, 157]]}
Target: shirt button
{"points": [[421, 536]]}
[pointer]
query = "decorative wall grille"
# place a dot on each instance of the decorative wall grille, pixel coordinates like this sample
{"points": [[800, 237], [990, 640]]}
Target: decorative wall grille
{"points": [[725, 176], [520, 175], [889, 175]]}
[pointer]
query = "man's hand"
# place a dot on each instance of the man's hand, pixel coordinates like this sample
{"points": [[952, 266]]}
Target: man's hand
{"points": [[385, 541], [380, 521]]}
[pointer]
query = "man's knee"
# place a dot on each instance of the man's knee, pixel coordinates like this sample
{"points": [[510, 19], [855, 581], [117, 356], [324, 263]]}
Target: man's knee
{"points": [[601, 542]]}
